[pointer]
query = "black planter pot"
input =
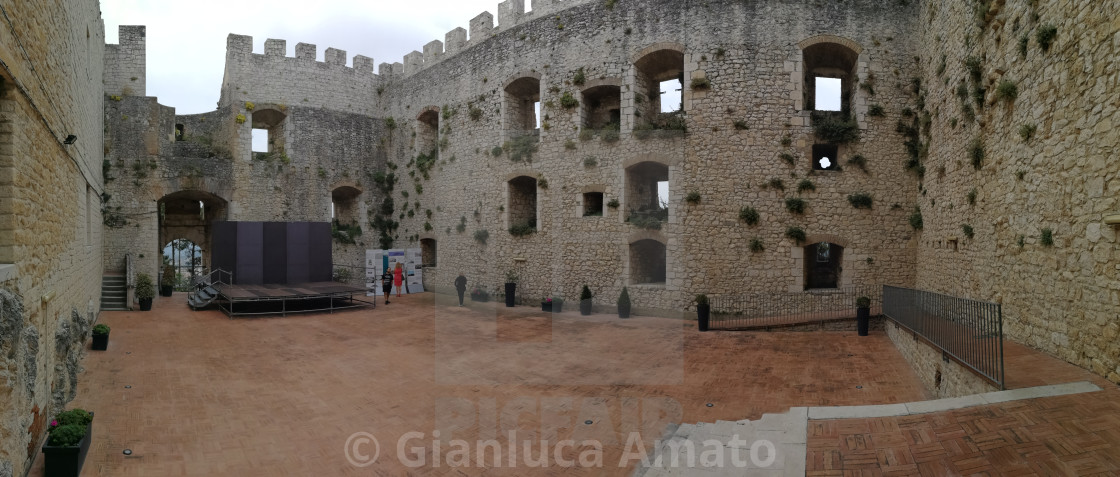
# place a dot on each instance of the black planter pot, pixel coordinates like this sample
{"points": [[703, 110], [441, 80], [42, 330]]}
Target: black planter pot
{"points": [[624, 312], [66, 461], [100, 342], [546, 307], [703, 313], [145, 304], [585, 307], [863, 320], [166, 290], [511, 294]]}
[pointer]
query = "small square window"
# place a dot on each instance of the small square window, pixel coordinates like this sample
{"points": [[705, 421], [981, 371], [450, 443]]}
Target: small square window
{"points": [[593, 204], [824, 157]]}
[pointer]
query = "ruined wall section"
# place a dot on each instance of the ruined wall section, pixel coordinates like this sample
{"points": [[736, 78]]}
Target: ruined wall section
{"points": [[1047, 164], [49, 234], [126, 63], [300, 81], [755, 75]]}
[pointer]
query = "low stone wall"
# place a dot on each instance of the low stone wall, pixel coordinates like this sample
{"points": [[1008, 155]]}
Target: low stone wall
{"points": [[943, 379]]}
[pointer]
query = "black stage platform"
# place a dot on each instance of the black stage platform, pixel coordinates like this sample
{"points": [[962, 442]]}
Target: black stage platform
{"points": [[284, 299]]}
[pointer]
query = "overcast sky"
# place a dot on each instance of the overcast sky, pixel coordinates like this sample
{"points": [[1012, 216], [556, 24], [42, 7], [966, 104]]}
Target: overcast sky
{"points": [[187, 39]]}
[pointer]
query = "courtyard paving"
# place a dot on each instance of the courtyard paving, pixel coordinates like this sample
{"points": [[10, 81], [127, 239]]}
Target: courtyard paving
{"points": [[195, 393]]}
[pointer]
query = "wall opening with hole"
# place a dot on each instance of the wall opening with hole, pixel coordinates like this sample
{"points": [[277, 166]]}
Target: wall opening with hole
{"points": [[593, 204], [658, 79], [427, 131], [345, 204], [602, 107], [428, 252], [825, 157]]}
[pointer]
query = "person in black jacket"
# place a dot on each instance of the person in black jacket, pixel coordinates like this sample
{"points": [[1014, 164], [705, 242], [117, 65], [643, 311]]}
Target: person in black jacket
{"points": [[461, 287]]}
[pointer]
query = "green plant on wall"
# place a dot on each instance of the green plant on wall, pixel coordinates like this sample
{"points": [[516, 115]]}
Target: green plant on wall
{"points": [[860, 200], [796, 234], [1045, 36], [915, 219], [693, 197], [567, 101], [795, 205], [967, 230], [1046, 237], [748, 215], [756, 245]]}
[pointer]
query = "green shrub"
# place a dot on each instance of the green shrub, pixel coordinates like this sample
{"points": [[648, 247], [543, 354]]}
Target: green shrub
{"points": [[1024, 42], [610, 135], [521, 148], [101, 329], [624, 299], [776, 183], [702, 299], [1027, 131], [580, 78], [586, 134], [916, 219], [497, 151], [748, 215], [481, 236], [795, 234], [756, 245], [567, 101], [613, 203], [972, 196], [74, 417], [806, 185], [795, 205], [976, 153], [876, 111], [570, 145], [1007, 91], [863, 302], [145, 288], [967, 229], [693, 197], [859, 161], [521, 230], [788, 158], [860, 200], [590, 161], [1046, 238], [787, 140], [740, 125], [835, 128], [1045, 36], [67, 435], [585, 294], [702, 83], [475, 113]]}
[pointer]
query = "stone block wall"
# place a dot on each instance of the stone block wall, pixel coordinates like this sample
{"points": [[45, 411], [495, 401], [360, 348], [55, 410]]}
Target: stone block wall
{"points": [[50, 234], [755, 78], [126, 63], [943, 378], [1047, 165]]}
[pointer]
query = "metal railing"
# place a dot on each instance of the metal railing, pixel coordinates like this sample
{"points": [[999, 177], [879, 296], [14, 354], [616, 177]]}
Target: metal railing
{"points": [[763, 310], [216, 276], [969, 331]]}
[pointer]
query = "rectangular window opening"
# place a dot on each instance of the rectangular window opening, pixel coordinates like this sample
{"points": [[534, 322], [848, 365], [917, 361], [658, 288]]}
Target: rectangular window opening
{"points": [[537, 114], [828, 94], [825, 157], [671, 96], [593, 204], [260, 140]]}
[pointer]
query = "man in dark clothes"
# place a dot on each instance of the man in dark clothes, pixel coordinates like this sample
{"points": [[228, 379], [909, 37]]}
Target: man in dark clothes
{"points": [[461, 287], [387, 284]]}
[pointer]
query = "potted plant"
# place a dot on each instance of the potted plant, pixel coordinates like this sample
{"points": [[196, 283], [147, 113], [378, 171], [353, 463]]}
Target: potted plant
{"points": [[553, 304], [100, 337], [67, 443], [145, 291], [863, 314], [511, 288], [167, 283], [703, 311], [479, 295], [585, 301], [624, 304]]}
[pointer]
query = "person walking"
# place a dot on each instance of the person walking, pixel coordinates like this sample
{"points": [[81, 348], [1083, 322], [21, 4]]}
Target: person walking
{"points": [[461, 287], [387, 284], [398, 278]]}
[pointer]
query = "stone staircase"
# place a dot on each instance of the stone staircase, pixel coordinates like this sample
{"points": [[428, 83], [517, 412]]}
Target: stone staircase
{"points": [[772, 446], [113, 293]]}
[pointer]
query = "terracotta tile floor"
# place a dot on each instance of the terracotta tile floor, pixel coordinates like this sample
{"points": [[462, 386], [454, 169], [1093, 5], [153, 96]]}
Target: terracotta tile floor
{"points": [[1076, 435], [281, 396]]}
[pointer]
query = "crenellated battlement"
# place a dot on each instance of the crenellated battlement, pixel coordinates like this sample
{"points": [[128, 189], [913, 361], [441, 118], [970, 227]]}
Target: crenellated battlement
{"points": [[274, 77], [127, 61], [239, 46], [511, 13]]}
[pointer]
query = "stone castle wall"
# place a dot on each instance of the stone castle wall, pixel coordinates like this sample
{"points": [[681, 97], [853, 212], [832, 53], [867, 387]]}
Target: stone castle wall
{"points": [[755, 76], [1062, 176], [126, 63], [50, 221]]}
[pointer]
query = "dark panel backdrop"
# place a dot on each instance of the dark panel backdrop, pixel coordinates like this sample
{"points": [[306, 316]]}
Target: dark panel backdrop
{"points": [[273, 252]]}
